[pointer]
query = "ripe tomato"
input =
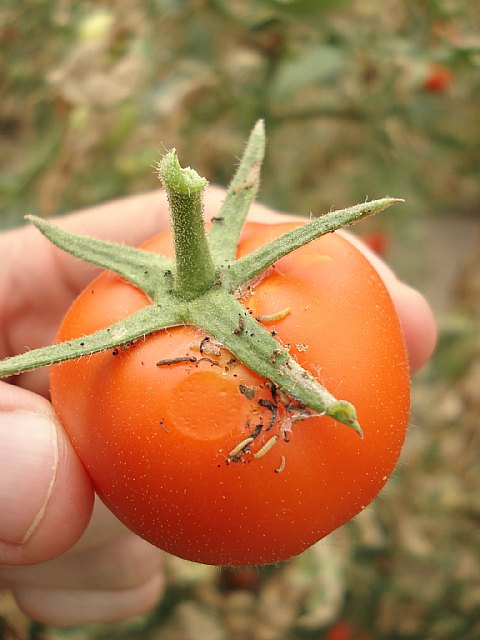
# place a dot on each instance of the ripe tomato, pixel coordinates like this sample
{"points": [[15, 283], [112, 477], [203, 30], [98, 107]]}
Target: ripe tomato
{"points": [[438, 79], [377, 241], [156, 439], [344, 630]]}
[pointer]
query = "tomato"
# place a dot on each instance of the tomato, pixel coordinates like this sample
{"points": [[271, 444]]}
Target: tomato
{"points": [[344, 630], [438, 79], [377, 241], [156, 439]]}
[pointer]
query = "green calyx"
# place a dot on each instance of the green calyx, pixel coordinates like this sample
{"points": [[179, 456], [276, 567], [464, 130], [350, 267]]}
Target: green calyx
{"points": [[200, 286]]}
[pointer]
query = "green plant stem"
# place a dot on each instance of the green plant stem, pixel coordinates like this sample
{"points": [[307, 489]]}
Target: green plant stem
{"points": [[195, 270], [224, 318]]}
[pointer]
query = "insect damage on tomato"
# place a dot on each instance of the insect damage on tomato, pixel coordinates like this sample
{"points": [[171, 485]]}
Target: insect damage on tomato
{"points": [[284, 412]]}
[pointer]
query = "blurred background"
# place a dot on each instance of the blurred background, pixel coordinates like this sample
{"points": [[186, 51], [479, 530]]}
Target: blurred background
{"points": [[360, 98]]}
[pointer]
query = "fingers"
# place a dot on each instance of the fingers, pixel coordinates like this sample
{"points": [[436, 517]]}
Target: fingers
{"points": [[62, 607], [110, 574], [117, 579], [46, 497], [123, 563], [418, 323]]}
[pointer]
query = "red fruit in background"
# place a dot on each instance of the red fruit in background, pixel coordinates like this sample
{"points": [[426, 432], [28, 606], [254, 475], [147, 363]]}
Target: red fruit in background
{"points": [[344, 630], [438, 79], [377, 241]]}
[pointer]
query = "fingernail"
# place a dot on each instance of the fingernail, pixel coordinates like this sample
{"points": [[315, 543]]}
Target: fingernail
{"points": [[28, 467]]}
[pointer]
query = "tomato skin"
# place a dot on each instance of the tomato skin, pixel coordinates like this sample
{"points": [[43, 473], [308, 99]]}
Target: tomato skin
{"points": [[155, 439]]}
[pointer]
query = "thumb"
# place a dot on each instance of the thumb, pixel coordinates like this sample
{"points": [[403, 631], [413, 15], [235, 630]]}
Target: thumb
{"points": [[46, 497]]}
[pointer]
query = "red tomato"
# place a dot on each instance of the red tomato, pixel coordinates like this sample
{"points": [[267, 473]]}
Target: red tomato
{"points": [[377, 241], [340, 631], [156, 439], [439, 78], [345, 631]]}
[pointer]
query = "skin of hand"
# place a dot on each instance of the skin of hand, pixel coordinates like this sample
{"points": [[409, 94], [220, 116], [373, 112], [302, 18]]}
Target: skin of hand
{"points": [[66, 559]]}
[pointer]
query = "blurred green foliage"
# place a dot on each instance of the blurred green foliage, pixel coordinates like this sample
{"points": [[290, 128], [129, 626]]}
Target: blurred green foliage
{"points": [[360, 97], [363, 97]]}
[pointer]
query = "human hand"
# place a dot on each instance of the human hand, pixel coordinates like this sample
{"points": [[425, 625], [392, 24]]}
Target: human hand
{"points": [[46, 497]]}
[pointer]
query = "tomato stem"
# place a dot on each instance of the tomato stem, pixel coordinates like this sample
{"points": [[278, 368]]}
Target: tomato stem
{"points": [[224, 318], [195, 270]]}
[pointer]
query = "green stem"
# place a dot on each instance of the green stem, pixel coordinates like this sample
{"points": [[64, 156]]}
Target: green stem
{"points": [[195, 270]]}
